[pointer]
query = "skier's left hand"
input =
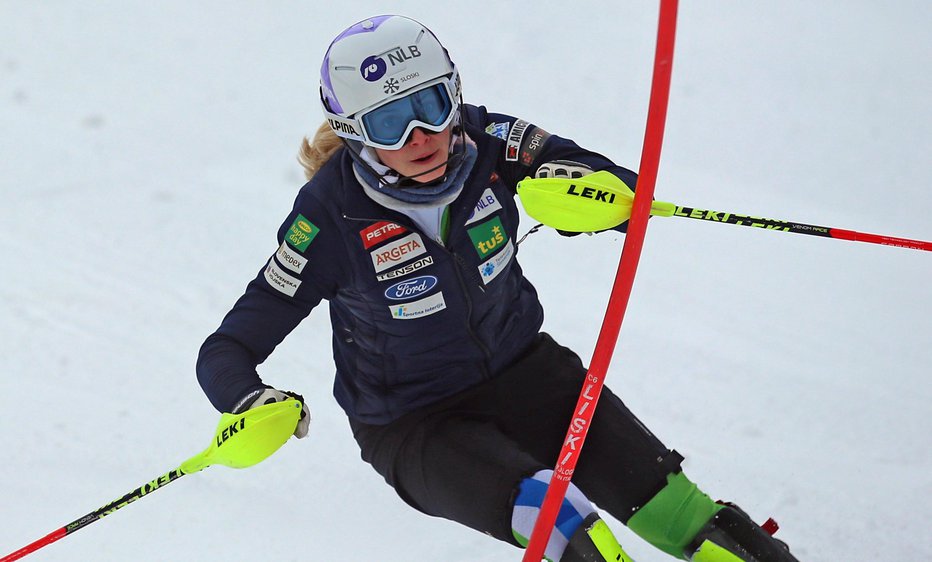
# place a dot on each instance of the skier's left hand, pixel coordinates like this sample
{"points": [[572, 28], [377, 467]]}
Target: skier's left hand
{"points": [[272, 395]]}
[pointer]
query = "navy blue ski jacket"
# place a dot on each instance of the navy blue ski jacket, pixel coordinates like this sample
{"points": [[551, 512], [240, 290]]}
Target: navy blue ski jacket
{"points": [[414, 319]]}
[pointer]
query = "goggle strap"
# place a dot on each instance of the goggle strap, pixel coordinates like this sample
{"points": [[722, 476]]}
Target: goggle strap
{"points": [[343, 127]]}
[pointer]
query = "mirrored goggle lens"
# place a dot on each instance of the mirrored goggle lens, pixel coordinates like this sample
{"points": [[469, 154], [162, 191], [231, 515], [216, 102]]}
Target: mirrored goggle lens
{"points": [[387, 124]]}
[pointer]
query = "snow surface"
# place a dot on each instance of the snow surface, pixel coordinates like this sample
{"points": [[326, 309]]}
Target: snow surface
{"points": [[148, 156]]}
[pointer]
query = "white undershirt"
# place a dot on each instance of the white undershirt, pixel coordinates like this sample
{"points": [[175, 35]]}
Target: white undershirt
{"points": [[429, 220]]}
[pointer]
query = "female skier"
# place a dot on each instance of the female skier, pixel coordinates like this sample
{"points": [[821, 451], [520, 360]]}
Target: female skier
{"points": [[407, 227]]}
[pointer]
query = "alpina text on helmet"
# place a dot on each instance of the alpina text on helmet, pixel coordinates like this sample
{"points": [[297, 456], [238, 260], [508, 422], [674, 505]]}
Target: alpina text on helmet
{"points": [[342, 127]]}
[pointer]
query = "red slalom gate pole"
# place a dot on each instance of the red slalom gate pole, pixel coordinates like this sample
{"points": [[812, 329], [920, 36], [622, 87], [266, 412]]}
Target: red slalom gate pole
{"points": [[621, 289]]}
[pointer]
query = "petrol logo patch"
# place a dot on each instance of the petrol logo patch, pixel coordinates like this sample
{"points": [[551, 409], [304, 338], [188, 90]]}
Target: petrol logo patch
{"points": [[292, 260], [379, 232], [410, 288], [418, 309], [406, 269], [490, 269], [397, 252], [485, 206], [499, 130], [280, 280], [301, 233], [488, 236], [513, 145]]}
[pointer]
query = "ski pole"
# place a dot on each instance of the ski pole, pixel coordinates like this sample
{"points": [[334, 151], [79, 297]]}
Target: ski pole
{"points": [[621, 289], [241, 440], [82, 522], [601, 201], [800, 228]]}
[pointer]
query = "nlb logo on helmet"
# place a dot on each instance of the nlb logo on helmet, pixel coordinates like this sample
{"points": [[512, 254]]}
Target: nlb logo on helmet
{"points": [[374, 67]]}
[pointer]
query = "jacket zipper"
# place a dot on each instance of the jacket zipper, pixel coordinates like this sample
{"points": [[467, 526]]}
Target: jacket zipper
{"points": [[459, 264]]}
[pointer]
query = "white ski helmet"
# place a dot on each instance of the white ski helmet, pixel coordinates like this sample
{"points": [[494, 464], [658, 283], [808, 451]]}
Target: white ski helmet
{"points": [[385, 76]]}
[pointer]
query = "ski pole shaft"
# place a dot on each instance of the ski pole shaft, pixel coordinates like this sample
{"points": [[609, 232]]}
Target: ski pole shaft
{"points": [[240, 441], [799, 228], [95, 515]]}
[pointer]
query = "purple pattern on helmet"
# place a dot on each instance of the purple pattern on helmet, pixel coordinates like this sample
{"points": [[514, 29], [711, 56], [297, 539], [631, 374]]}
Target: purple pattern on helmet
{"points": [[328, 94]]}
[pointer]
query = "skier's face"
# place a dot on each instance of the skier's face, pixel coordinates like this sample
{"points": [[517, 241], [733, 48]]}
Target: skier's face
{"points": [[422, 151]]}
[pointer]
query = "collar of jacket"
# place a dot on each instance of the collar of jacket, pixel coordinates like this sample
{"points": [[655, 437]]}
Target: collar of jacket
{"points": [[357, 205]]}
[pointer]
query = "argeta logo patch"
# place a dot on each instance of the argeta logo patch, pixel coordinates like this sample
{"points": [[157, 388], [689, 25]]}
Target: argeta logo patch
{"points": [[397, 252]]}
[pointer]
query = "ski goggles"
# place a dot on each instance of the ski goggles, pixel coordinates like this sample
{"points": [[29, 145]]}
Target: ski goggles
{"points": [[389, 124]]}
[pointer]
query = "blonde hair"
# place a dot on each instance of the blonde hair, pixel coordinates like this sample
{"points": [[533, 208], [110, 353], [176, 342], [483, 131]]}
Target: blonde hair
{"points": [[315, 153]]}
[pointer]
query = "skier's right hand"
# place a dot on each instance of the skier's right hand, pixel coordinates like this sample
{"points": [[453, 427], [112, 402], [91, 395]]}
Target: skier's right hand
{"points": [[271, 395]]}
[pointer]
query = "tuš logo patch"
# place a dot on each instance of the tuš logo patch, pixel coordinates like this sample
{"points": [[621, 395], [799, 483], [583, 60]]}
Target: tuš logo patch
{"points": [[488, 236]]}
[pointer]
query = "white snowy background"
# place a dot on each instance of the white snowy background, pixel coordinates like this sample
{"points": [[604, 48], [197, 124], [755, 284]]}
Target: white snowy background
{"points": [[147, 156]]}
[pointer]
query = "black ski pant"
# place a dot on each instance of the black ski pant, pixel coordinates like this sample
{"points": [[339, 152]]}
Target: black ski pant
{"points": [[463, 457]]}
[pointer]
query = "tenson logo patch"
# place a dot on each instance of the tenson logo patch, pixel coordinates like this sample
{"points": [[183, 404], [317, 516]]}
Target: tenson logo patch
{"points": [[406, 269]]}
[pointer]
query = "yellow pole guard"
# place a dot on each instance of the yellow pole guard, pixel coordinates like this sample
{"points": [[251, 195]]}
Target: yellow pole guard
{"points": [[245, 439], [592, 203]]}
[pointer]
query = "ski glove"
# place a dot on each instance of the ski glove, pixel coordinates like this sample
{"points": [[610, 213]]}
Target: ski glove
{"points": [[563, 169], [570, 170], [258, 398]]}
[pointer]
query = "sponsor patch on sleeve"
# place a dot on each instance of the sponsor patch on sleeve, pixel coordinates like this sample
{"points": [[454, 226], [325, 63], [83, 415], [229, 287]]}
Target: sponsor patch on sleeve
{"points": [[301, 233], [280, 280], [290, 259], [513, 144], [532, 144], [485, 206], [499, 130], [418, 309]]}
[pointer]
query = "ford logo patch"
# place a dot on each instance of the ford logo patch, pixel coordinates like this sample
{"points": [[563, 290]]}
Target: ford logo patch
{"points": [[411, 288]]}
